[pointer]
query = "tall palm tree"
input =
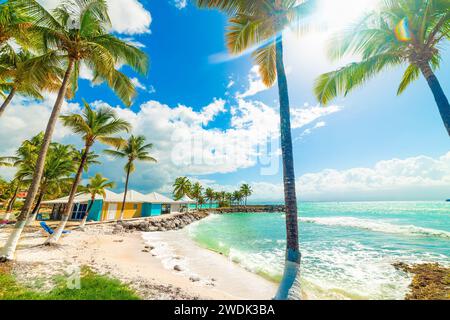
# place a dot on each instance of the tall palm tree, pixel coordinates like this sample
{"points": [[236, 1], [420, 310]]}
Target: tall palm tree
{"points": [[402, 32], [27, 74], [210, 196], [196, 192], [246, 191], [26, 155], [92, 125], [181, 187], [260, 24], [78, 32], [97, 186], [58, 169], [135, 149]]}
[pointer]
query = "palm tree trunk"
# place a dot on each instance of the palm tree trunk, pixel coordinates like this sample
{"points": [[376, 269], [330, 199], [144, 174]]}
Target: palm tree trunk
{"points": [[439, 95], [10, 247], [35, 211], [10, 206], [86, 215], [125, 194], [290, 284], [54, 238], [7, 101]]}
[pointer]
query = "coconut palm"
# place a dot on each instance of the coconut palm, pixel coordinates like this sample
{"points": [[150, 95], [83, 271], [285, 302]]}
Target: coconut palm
{"points": [[13, 25], [402, 32], [246, 191], [5, 162], [237, 197], [57, 171], [135, 149], [27, 74], [78, 32], [260, 24], [97, 186], [92, 125], [26, 155], [196, 192], [210, 196], [181, 187]]}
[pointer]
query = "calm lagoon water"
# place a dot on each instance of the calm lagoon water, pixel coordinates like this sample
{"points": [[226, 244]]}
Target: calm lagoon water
{"points": [[348, 248]]}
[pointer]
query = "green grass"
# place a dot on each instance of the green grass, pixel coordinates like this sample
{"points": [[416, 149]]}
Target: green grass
{"points": [[93, 287]]}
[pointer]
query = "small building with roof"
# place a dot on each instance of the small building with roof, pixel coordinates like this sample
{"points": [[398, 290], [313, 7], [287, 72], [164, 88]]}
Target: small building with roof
{"points": [[108, 208]]}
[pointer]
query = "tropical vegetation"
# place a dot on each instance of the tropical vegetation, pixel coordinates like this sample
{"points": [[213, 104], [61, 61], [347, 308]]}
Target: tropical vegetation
{"points": [[401, 32], [134, 149], [260, 25], [93, 125], [74, 33]]}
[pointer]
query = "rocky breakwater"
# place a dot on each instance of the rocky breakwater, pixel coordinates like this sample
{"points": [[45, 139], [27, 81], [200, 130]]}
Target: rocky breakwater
{"points": [[161, 223], [249, 209]]}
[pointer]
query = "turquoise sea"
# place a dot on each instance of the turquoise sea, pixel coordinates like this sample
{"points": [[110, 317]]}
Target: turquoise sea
{"points": [[348, 248]]}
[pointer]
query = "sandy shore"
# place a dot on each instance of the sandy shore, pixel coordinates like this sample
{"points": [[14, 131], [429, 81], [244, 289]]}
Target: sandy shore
{"points": [[145, 261]]}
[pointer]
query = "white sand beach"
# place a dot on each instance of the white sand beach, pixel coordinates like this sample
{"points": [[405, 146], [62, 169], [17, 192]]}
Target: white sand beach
{"points": [[145, 261]]}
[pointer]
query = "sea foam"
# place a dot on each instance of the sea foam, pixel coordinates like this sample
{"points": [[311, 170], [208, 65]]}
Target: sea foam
{"points": [[378, 226]]}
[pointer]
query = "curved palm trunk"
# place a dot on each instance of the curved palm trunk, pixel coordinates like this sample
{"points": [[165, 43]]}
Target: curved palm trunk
{"points": [[11, 202], [10, 247], [54, 238], [86, 215], [35, 211], [122, 210], [290, 284], [7, 101], [439, 95]]}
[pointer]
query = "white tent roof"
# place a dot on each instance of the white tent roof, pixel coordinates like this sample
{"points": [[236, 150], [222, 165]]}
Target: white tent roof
{"points": [[155, 197], [186, 199]]}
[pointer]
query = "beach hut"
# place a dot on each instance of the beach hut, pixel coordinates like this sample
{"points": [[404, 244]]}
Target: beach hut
{"points": [[137, 205]]}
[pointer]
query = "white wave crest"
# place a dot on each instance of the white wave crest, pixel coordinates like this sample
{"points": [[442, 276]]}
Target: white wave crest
{"points": [[378, 226]]}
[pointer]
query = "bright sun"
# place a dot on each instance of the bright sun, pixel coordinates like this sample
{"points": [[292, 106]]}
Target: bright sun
{"points": [[336, 14]]}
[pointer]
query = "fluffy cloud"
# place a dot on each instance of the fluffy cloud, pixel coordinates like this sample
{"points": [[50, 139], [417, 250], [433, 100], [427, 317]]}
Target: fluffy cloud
{"points": [[255, 84], [127, 16], [413, 178], [180, 4]]}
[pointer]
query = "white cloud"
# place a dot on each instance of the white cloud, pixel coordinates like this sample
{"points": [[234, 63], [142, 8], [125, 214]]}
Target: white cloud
{"points": [[416, 178], [255, 84], [180, 4], [308, 114], [127, 16]]}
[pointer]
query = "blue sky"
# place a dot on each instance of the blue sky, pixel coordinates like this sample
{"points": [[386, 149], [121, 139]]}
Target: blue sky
{"points": [[369, 145]]}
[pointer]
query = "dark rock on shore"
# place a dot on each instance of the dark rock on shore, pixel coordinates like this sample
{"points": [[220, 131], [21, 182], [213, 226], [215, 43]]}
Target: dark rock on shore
{"points": [[249, 209], [431, 281], [161, 223]]}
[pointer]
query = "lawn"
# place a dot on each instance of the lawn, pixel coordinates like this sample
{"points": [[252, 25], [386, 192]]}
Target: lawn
{"points": [[93, 287]]}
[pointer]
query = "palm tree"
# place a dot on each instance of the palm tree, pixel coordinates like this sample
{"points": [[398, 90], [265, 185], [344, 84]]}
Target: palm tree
{"points": [[201, 201], [196, 192], [27, 74], [135, 149], [181, 187], [210, 196], [402, 32], [92, 125], [13, 24], [260, 24], [97, 186], [57, 171], [5, 162], [78, 32], [237, 196], [246, 191], [26, 155]]}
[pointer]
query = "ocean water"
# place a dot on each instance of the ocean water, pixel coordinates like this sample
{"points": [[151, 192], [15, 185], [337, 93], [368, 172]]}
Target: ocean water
{"points": [[347, 248]]}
